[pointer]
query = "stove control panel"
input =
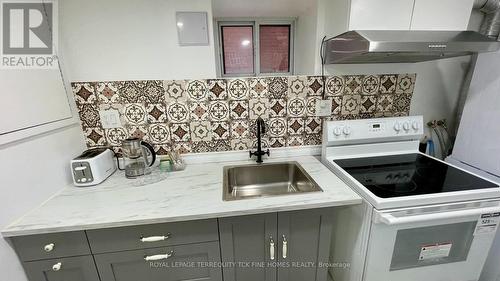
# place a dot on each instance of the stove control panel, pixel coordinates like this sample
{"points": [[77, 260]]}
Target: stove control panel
{"points": [[374, 130]]}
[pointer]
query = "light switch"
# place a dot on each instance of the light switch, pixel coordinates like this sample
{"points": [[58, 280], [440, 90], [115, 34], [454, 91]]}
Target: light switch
{"points": [[323, 107], [110, 118]]}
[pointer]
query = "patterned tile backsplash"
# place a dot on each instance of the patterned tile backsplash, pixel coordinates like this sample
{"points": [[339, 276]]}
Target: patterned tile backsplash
{"points": [[219, 114]]}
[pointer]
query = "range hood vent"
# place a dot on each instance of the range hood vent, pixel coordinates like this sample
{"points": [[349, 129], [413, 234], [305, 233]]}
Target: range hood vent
{"points": [[394, 46]]}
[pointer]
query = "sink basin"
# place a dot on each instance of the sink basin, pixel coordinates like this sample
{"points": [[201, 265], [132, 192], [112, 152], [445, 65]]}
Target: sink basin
{"points": [[268, 179]]}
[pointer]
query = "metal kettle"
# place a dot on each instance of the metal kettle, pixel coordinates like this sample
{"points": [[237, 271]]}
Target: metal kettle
{"points": [[138, 157]]}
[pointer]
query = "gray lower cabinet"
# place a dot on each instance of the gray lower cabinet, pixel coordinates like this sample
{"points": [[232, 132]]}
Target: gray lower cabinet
{"points": [[50, 246], [291, 245], [249, 239], [198, 261], [129, 238], [307, 235], [80, 268], [284, 246]]}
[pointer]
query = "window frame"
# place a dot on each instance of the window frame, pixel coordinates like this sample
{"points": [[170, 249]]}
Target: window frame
{"points": [[255, 23], [220, 60]]}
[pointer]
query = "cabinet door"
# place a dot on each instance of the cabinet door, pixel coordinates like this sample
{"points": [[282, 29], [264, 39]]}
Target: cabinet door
{"points": [[80, 268], [185, 262], [248, 241], [304, 243], [39, 99], [109, 240], [380, 14], [441, 15], [51, 245]]}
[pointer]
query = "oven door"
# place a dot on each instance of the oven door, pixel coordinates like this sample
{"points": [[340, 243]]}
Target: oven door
{"points": [[432, 243]]}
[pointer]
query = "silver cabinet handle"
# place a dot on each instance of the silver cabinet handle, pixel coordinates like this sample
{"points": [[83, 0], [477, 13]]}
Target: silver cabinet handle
{"points": [[271, 248], [159, 257], [285, 246], [155, 238], [57, 266], [49, 247]]}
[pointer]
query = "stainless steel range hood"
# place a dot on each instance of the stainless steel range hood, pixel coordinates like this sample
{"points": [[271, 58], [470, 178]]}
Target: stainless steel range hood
{"points": [[382, 46]]}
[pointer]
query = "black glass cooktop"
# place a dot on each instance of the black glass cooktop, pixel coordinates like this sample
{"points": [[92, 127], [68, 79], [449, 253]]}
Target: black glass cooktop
{"points": [[409, 174]]}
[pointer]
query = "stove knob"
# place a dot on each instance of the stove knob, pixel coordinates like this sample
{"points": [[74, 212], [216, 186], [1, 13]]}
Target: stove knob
{"points": [[397, 127], [415, 125], [347, 131], [337, 131], [406, 126]]}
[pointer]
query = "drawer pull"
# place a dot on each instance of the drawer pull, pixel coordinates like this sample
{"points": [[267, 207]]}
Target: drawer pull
{"points": [[159, 257], [155, 238], [57, 266], [271, 248], [285, 247], [49, 247]]}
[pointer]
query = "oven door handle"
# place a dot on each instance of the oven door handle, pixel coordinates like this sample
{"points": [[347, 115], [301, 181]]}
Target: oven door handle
{"points": [[389, 219]]}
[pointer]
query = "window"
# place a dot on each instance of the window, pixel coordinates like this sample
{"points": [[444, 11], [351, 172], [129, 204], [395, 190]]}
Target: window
{"points": [[257, 47], [274, 48], [237, 49]]}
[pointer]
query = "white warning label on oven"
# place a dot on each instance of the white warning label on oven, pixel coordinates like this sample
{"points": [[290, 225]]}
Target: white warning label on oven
{"points": [[434, 251], [487, 223]]}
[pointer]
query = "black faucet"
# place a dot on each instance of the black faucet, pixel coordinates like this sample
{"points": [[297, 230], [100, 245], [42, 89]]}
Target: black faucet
{"points": [[261, 129]]}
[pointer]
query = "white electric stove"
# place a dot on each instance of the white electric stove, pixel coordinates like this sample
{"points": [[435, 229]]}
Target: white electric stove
{"points": [[422, 219]]}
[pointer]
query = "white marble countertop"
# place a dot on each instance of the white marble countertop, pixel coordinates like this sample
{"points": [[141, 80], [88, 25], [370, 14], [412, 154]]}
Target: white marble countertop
{"points": [[195, 193]]}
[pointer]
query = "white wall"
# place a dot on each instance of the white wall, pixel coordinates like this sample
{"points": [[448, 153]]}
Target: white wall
{"points": [[130, 39], [475, 20], [306, 52], [32, 171], [123, 39], [260, 8], [332, 20]]}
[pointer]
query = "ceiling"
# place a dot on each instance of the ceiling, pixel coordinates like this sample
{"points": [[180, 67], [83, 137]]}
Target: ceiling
{"points": [[261, 8]]}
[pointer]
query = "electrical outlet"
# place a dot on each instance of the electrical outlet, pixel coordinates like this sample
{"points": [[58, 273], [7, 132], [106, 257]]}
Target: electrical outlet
{"points": [[323, 107], [110, 118]]}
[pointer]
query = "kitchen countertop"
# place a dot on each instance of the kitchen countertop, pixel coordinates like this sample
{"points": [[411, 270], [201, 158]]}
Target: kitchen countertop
{"points": [[195, 193]]}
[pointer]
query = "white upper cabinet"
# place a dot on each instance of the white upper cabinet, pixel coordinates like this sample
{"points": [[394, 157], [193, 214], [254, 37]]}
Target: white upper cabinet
{"points": [[409, 14], [32, 98], [380, 14], [441, 15]]}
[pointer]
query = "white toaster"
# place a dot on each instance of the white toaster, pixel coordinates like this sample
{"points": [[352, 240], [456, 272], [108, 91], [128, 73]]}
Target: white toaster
{"points": [[93, 166]]}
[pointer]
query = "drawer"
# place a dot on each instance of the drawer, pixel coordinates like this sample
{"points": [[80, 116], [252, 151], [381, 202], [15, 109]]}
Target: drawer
{"points": [[80, 268], [183, 262], [152, 235], [53, 245]]}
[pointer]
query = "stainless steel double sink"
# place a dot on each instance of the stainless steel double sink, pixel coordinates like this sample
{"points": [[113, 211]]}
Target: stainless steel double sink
{"points": [[268, 179]]}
